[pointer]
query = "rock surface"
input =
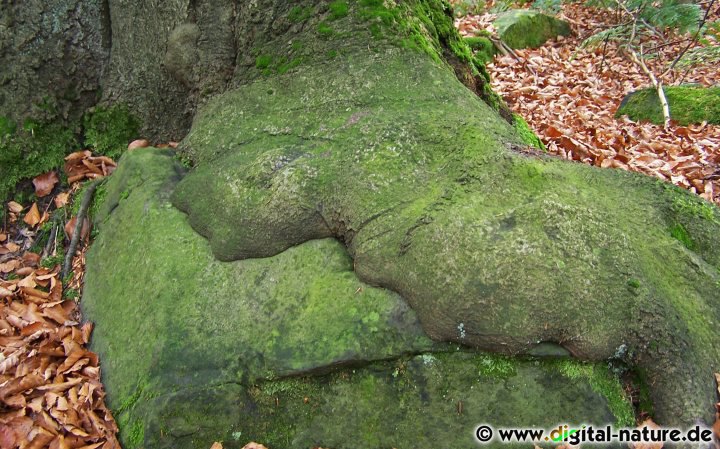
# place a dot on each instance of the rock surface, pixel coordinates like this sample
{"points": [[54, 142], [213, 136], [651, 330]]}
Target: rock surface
{"points": [[547, 251], [293, 350], [366, 133]]}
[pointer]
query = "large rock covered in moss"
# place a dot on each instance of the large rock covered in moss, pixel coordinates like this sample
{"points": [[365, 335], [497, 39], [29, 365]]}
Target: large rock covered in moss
{"points": [[293, 350], [688, 104], [431, 195], [526, 28], [491, 247]]}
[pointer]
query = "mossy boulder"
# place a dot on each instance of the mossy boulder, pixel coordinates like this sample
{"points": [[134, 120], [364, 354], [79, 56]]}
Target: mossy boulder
{"points": [[444, 205], [526, 28], [688, 104], [293, 350], [427, 193]]}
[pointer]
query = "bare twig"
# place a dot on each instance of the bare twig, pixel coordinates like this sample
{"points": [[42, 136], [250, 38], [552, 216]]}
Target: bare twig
{"points": [[51, 241], [86, 200]]}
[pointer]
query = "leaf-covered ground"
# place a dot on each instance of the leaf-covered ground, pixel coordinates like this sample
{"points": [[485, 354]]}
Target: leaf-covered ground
{"points": [[51, 394], [569, 97]]}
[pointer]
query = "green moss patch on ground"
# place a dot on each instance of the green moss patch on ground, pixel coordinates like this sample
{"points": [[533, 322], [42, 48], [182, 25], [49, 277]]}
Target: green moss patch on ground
{"points": [[31, 150], [688, 104], [38, 147]]}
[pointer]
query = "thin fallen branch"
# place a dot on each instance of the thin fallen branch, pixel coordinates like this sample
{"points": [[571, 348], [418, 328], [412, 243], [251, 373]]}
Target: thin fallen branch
{"points": [[51, 241], [86, 200]]}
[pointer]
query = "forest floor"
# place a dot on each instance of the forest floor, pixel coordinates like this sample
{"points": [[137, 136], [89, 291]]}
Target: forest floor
{"points": [[569, 95], [51, 394]]}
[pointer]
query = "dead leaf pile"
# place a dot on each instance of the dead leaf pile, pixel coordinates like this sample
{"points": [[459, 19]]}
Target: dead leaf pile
{"points": [[50, 386], [569, 97], [83, 165]]}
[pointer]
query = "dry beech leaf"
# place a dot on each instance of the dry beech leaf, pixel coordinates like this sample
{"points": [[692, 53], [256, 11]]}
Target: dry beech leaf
{"points": [[3, 237], [32, 218], [650, 424], [253, 445], [216, 445], [15, 207], [78, 155], [9, 266], [61, 199], [139, 143], [45, 183], [70, 228]]}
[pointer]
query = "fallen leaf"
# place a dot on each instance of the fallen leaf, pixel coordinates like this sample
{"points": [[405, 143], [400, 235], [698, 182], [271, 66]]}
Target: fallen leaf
{"points": [[216, 445], [15, 207], [253, 445], [61, 199], [70, 228], [650, 424], [45, 183], [139, 143], [9, 266], [78, 155], [32, 218]]}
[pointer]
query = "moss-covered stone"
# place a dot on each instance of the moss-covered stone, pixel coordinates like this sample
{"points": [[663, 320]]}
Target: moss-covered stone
{"points": [[525, 28], [219, 340], [491, 246], [430, 195], [688, 104], [526, 133]]}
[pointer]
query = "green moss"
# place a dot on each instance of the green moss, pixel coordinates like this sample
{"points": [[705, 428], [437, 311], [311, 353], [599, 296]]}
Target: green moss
{"points": [[53, 261], [526, 133], [286, 66], [109, 130], [694, 207], [263, 61], [483, 48], [338, 9], [71, 294], [136, 434], [325, 30], [300, 14], [7, 127], [496, 366], [34, 149], [602, 382], [687, 105], [679, 233]]}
